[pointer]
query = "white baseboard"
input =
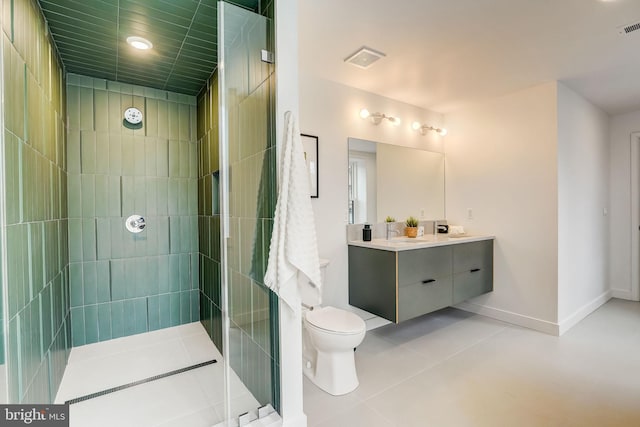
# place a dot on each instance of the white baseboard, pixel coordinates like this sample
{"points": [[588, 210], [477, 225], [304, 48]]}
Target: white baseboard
{"points": [[572, 320], [622, 294], [545, 326], [371, 320], [375, 322]]}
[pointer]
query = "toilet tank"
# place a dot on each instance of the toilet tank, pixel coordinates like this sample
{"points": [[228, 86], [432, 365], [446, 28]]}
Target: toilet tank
{"points": [[323, 269], [310, 298]]}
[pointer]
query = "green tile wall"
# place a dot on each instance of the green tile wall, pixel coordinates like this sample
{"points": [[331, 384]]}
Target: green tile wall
{"points": [[209, 212], [34, 224], [122, 283]]}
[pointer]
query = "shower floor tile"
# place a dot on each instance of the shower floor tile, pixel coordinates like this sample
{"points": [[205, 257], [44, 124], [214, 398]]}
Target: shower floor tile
{"points": [[194, 398]]}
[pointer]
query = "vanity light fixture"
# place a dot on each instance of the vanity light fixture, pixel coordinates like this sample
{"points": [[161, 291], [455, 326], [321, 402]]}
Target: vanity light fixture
{"points": [[376, 118], [424, 128], [139, 43]]}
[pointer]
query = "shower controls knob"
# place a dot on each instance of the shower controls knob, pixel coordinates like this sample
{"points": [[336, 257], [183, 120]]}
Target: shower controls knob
{"points": [[135, 223]]}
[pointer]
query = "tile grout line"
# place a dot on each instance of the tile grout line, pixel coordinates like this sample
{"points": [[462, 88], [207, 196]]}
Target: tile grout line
{"points": [[139, 382], [380, 415]]}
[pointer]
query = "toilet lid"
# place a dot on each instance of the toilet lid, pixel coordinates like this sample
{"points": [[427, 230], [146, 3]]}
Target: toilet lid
{"points": [[335, 320]]}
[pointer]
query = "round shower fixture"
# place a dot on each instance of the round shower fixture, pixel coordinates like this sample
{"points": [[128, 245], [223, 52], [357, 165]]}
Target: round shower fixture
{"points": [[135, 223], [133, 115]]}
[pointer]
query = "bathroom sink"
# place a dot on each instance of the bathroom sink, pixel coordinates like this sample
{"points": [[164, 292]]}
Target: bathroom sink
{"points": [[408, 240], [399, 240], [428, 238]]}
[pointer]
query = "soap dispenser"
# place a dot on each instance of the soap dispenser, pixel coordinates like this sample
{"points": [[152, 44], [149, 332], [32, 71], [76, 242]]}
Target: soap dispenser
{"points": [[366, 233]]}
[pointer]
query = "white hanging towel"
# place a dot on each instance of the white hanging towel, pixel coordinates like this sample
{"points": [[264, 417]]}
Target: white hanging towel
{"points": [[294, 265]]}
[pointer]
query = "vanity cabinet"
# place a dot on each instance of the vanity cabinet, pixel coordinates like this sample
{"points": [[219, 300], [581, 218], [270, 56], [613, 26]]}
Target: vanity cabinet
{"points": [[401, 285]]}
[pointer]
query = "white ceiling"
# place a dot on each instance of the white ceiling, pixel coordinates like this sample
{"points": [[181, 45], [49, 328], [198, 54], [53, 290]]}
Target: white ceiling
{"points": [[442, 54]]}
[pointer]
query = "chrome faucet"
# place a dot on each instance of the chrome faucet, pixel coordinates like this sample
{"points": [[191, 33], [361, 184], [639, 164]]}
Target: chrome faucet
{"points": [[390, 229]]}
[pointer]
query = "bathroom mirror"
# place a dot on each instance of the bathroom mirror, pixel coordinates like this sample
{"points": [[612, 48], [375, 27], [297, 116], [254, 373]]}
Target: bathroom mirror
{"points": [[393, 180]]}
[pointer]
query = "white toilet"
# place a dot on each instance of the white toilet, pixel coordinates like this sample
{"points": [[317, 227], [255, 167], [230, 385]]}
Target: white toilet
{"points": [[330, 336]]}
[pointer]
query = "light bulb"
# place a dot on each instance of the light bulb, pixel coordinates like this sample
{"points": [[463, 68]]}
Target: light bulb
{"points": [[139, 43], [442, 132], [396, 121], [364, 113], [415, 125]]}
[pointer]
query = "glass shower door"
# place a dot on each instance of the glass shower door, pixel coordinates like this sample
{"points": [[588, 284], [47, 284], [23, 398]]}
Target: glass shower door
{"points": [[248, 195]]}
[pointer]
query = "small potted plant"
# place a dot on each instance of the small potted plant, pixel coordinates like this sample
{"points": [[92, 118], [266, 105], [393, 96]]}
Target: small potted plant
{"points": [[411, 229], [390, 219]]}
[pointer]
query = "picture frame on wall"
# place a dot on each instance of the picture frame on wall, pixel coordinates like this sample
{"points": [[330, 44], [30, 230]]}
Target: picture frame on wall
{"points": [[310, 146]]}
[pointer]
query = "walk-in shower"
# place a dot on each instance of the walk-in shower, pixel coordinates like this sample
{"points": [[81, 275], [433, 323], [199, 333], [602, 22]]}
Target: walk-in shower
{"points": [[110, 228]]}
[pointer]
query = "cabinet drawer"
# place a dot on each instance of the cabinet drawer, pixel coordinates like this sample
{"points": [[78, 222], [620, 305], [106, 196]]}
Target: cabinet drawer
{"points": [[421, 264], [471, 284], [470, 256], [420, 298]]}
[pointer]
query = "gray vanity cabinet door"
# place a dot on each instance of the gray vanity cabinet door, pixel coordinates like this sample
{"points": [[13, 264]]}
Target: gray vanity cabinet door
{"points": [[372, 281], [424, 281], [473, 270]]}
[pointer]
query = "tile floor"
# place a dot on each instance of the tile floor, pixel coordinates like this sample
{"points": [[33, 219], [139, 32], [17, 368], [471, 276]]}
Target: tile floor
{"points": [[450, 368], [190, 399], [453, 368]]}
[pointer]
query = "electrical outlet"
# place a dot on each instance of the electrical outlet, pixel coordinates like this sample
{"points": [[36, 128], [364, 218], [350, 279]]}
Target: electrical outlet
{"points": [[469, 213], [421, 213]]}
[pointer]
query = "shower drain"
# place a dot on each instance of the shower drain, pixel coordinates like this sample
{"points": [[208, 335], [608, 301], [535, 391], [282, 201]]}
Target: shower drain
{"points": [[139, 382]]}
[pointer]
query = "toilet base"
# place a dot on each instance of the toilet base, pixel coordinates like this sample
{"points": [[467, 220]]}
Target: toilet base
{"points": [[333, 372]]}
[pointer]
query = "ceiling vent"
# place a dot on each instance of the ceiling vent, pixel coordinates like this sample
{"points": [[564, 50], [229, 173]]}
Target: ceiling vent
{"points": [[364, 57], [626, 29]]}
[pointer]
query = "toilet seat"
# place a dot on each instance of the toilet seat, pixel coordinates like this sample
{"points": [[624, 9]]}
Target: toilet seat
{"points": [[334, 320]]}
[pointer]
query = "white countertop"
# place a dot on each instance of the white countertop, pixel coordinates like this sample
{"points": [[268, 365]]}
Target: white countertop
{"points": [[406, 243]]}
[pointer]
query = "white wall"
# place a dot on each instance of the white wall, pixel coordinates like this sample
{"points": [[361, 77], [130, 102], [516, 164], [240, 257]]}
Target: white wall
{"points": [[622, 126], [501, 161], [531, 165], [583, 228], [331, 112], [286, 34]]}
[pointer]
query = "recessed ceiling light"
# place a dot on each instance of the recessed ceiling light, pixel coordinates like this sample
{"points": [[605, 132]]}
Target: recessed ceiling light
{"points": [[139, 43], [364, 57]]}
